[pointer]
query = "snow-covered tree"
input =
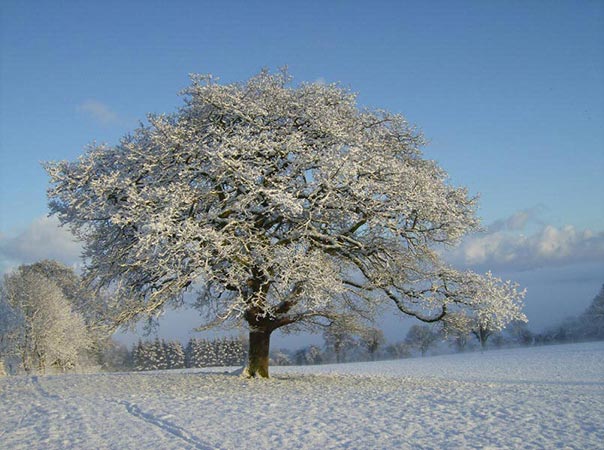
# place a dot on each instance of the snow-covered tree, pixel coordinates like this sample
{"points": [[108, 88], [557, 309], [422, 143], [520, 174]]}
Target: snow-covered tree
{"points": [[372, 339], [289, 205], [159, 361], [482, 332], [115, 356], [48, 332], [208, 353], [197, 353], [200, 353], [458, 339], [175, 355], [422, 337], [231, 351], [494, 304], [457, 330], [592, 320], [150, 355], [308, 356], [9, 331], [190, 353], [93, 306], [519, 334], [339, 339], [398, 350], [281, 357], [143, 356], [218, 352], [314, 355]]}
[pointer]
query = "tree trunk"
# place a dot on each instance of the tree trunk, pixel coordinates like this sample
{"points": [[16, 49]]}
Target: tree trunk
{"points": [[259, 354], [483, 335]]}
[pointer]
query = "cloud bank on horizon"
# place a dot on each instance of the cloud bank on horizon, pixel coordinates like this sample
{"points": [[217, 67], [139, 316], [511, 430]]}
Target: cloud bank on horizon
{"points": [[524, 242]]}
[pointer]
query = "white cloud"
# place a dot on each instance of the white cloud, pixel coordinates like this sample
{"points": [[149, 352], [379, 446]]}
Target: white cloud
{"points": [[99, 112], [43, 239], [505, 247], [518, 220]]}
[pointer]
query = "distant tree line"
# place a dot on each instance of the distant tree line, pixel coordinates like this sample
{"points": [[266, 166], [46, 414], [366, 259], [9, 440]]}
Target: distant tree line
{"points": [[50, 321], [341, 345], [588, 326], [162, 354]]}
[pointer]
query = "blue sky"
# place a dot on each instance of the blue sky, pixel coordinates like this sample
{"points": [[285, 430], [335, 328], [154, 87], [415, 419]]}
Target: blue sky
{"points": [[510, 95]]}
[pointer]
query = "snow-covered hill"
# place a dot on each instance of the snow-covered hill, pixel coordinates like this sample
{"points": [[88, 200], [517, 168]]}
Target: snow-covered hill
{"points": [[535, 398]]}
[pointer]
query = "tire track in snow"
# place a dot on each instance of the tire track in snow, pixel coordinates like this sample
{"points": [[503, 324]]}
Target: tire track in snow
{"points": [[166, 426], [71, 410], [43, 392]]}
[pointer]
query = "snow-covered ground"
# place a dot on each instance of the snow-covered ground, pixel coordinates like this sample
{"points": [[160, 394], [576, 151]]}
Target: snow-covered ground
{"points": [[534, 398]]}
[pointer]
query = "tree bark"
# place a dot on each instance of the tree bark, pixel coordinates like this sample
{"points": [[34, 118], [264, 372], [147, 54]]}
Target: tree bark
{"points": [[258, 354], [482, 334]]}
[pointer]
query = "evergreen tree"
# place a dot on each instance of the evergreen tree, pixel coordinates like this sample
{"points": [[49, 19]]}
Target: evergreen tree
{"points": [[192, 353], [142, 356], [237, 352], [175, 355], [160, 354], [203, 353]]}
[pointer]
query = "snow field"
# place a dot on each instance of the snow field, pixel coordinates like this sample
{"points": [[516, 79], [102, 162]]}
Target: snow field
{"points": [[536, 398]]}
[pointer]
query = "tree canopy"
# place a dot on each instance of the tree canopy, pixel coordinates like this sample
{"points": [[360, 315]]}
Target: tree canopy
{"points": [[44, 330], [288, 205]]}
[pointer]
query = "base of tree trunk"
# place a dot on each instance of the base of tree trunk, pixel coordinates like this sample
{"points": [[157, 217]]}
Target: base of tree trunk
{"points": [[258, 355]]}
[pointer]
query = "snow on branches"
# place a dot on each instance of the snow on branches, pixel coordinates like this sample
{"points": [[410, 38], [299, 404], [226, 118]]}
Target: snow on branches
{"points": [[44, 331], [288, 204]]}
